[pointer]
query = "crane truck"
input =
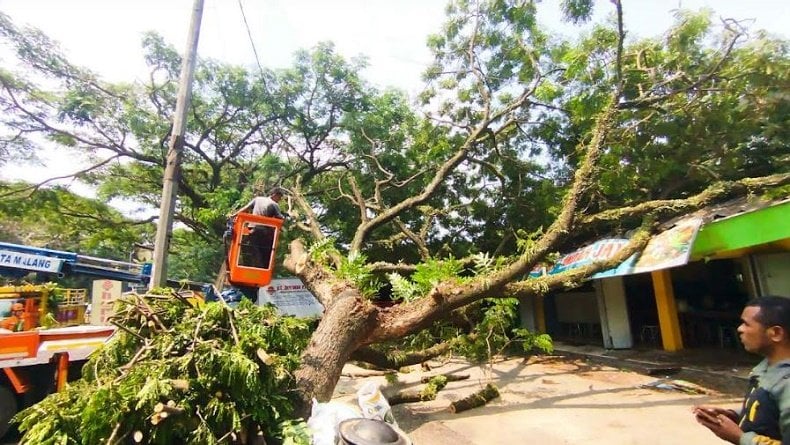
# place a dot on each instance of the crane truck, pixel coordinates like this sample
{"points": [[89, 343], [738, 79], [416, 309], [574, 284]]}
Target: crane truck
{"points": [[36, 361]]}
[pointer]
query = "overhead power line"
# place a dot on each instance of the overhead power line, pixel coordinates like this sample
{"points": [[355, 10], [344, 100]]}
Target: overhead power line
{"points": [[249, 34]]}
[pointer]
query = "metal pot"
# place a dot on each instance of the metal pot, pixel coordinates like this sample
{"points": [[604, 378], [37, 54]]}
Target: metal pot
{"points": [[369, 432]]}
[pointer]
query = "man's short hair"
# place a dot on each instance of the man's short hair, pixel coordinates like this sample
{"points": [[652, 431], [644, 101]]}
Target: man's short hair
{"points": [[278, 191], [774, 311]]}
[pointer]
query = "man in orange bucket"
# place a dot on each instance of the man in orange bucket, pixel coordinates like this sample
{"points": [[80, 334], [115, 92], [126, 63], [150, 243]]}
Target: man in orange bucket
{"points": [[262, 238]]}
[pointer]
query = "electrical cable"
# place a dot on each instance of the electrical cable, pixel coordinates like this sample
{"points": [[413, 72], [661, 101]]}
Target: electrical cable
{"points": [[252, 43]]}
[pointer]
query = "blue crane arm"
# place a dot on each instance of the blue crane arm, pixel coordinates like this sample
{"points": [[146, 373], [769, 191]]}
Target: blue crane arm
{"points": [[17, 260]]}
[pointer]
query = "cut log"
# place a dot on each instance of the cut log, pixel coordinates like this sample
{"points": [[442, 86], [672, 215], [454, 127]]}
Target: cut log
{"points": [[479, 398], [435, 384], [170, 408], [405, 397], [450, 377]]}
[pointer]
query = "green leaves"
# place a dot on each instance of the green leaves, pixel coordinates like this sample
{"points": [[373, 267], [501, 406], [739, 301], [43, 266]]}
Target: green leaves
{"points": [[577, 11], [427, 274], [496, 332], [179, 374], [690, 30], [58, 219], [355, 269]]}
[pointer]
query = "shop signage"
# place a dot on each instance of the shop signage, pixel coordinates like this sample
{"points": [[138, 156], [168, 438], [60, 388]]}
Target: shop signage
{"points": [[600, 250], [669, 248], [103, 297], [291, 297]]}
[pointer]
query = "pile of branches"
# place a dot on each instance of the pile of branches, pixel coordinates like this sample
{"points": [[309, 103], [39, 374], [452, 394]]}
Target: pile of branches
{"points": [[180, 372]]}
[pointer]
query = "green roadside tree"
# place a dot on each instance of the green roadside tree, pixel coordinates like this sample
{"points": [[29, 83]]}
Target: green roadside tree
{"points": [[58, 219], [527, 145]]}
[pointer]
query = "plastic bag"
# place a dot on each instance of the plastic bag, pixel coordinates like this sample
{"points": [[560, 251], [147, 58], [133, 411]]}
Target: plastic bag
{"points": [[324, 419], [373, 403]]}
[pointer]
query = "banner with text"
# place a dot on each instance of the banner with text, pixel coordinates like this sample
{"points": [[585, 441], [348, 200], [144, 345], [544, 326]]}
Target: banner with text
{"points": [[669, 248], [103, 297], [29, 261], [291, 297]]}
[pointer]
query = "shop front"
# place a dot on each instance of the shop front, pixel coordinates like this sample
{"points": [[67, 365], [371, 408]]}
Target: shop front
{"points": [[685, 290]]}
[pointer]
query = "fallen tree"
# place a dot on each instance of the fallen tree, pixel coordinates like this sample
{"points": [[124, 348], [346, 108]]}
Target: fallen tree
{"points": [[528, 147]]}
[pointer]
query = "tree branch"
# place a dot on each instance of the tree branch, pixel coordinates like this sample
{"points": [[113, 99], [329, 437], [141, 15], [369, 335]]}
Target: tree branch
{"points": [[714, 193]]}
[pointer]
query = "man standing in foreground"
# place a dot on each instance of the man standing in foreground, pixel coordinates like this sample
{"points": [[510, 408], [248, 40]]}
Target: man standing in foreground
{"points": [[765, 415]]}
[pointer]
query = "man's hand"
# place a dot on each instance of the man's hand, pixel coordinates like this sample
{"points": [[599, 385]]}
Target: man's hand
{"points": [[716, 410], [720, 421]]}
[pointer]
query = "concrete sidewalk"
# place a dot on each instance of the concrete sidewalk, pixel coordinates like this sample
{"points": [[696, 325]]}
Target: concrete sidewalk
{"points": [[725, 370]]}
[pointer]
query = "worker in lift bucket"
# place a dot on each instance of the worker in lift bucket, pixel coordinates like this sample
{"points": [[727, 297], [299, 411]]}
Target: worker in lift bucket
{"points": [[16, 322], [262, 237]]}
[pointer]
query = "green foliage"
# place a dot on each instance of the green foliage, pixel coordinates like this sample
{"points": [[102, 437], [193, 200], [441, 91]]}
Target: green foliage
{"points": [[509, 110], [403, 288], [527, 241], [532, 342], [577, 11], [425, 277], [391, 378], [295, 433], [680, 126], [319, 121], [193, 257], [355, 269], [497, 331], [321, 250], [434, 385], [59, 219], [214, 369]]}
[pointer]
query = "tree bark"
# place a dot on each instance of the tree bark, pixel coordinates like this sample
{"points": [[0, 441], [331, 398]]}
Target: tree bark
{"points": [[479, 398], [449, 377], [347, 320], [388, 361]]}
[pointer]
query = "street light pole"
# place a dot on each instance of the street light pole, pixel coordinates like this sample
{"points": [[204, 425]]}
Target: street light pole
{"points": [[175, 147]]}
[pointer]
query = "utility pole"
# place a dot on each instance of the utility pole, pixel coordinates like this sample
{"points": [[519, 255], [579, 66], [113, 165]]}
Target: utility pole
{"points": [[175, 147]]}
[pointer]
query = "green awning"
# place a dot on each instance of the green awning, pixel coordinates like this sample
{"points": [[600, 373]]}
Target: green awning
{"points": [[743, 231]]}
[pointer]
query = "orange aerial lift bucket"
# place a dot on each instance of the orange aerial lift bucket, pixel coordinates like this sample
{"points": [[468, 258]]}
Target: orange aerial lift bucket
{"points": [[252, 249]]}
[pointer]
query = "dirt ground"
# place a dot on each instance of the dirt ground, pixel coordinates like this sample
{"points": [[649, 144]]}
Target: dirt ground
{"points": [[548, 400]]}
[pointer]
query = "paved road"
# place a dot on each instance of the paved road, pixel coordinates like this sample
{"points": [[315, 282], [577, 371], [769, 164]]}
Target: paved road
{"points": [[553, 402]]}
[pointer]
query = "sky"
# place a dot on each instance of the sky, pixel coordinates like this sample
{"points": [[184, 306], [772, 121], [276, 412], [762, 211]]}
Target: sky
{"points": [[105, 35]]}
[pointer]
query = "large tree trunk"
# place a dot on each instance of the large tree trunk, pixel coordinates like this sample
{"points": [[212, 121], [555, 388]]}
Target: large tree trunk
{"points": [[348, 320]]}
